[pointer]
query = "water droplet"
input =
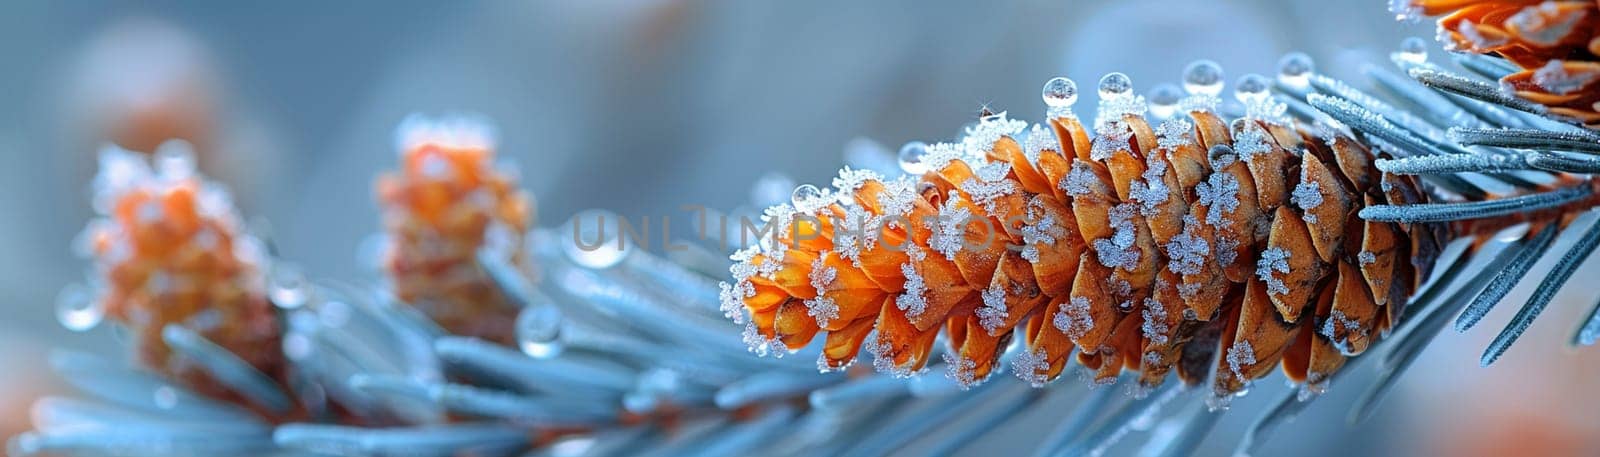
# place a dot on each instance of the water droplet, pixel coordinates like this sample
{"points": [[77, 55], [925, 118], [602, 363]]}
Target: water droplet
{"points": [[297, 346], [771, 189], [1203, 77], [539, 331], [1294, 70], [1059, 92], [78, 309], [911, 157], [1164, 99], [807, 198], [166, 397], [1413, 50], [286, 286], [1115, 85], [595, 239], [1251, 88]]}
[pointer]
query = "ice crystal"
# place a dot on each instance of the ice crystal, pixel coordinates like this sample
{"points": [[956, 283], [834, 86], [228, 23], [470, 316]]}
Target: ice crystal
{"points": [[912, 300], [758, 344], [939, 155], [1543, 24], [1079, 178], [1469, 31], [1367, 258], [858, 231], [1250, 141], [1031, 366], [1274, 259], [1155, 321], [822, 274], [963, 370], [732, 297], [898, 195], [1113, 109], [993, 314], [1174, 133], [1043, 230], [1240, 356], [990, 185], [823, 309], [1220, 193], [1337, 320], [849, 181], [1109, 138], [1188, 250], [1405, 11], [1040, 139], [1555, 78], [1119, 251], [950, 234], [1227, 250], [1307, 195], [1150, 190], [980, 138], [1201, 103], [1074, 319], [883, 361]]}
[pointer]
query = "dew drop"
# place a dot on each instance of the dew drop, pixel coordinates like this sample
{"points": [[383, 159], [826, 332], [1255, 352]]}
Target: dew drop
{"points": [[1251, 88], [1115, 85], [807, 197], [1203, 77], [1413, 50], [1164, 99], [539, 331], [911, 157], [286, 286], [166, 397], [1294, 70], [771, 189], [595, 242], [1059, 92], [78, 309]]}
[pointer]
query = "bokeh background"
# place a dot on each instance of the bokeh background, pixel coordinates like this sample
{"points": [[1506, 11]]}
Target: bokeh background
{"points": [[640, 106]]}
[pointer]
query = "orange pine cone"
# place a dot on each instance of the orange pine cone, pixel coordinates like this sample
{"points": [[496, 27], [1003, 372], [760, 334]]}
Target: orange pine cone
{"points": [[1147, 248], [170, 249], [1555, 43], [446, 203]]}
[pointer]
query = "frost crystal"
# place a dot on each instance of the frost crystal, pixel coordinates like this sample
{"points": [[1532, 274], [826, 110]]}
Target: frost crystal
{"points": [[1199, 103], [1227, 250], [823, 309], [912, 301], [1469, 31], [963, 370], [980, 138], [1078, 179], [1337, 320], [1274, 259], [1307, 195], [760, 345], [1119, 251], [1543, 24], [1555, 78], [939, 155], [732, 297], [1074, 319], [993, 314], [990, 185], [1043, 230], [1188, 250], [1113, 109], [851, 180], [1188, 290], [858, 231], [1405, 11], [1040, 139], [1220, 193], [898, 195], [822, 275], [1174, 133], [1367, 258], [1249, 141], [1240, 356], [1155, 321], [949, 235], [1031, 366], [883, 361], [1109, 138], [1150, 191]]}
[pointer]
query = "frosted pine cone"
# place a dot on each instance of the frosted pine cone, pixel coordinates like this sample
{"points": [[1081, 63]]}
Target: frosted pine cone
{"points": [[170, 249], [447, 203]]}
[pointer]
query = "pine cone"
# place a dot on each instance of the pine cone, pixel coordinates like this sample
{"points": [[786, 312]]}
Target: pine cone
{"points": [[446, 204], [1556, 44], [1147, 248], [169, 249]]}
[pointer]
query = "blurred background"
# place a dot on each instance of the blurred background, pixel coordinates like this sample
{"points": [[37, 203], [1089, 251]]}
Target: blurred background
{"points": [[641, 106]]}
